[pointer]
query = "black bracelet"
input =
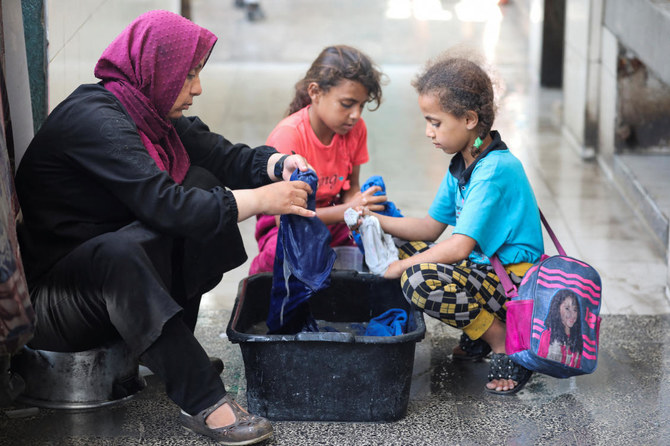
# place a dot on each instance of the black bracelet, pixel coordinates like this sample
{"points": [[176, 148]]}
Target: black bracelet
{"points": [[279, 167]]}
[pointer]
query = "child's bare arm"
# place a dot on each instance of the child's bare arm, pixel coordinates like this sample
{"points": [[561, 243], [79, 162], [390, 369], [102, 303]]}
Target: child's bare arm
{"points": [[411, 228], [452, 250]]}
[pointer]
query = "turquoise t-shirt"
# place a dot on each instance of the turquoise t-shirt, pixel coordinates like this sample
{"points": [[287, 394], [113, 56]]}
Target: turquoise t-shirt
{"points": [[496, 207]]}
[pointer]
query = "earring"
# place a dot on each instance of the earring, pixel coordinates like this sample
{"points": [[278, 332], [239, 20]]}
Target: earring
{"points": [[476, 147]]}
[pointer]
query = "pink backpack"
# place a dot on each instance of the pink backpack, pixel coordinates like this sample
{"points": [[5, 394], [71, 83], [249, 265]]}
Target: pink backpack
{"points": [[553, 320]]}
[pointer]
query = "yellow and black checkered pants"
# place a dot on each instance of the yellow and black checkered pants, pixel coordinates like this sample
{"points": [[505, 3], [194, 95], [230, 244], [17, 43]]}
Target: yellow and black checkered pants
{"points": [[466, 295]]}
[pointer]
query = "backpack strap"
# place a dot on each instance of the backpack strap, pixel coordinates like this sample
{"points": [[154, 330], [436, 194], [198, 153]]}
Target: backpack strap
{"points": [[510, 288], [554, 239]]}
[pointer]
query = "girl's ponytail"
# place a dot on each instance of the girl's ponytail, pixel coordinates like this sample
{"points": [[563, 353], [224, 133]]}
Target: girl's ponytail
{"points": [[301, 98]]}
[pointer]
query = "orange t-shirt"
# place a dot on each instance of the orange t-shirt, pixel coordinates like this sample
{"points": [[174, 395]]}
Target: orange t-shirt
{"points": [[333, 163]]}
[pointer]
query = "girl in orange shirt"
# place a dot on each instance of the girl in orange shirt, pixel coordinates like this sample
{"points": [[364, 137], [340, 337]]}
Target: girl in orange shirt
{"points": [[325, 126]]}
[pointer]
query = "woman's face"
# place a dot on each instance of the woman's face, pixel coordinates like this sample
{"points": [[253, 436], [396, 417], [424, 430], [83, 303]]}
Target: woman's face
{"points": [[191, 89], [569, 312], [340, 107]]}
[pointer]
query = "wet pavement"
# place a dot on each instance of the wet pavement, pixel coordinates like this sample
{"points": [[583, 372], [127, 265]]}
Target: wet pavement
{"points": [[247, 86], [624, 402]]}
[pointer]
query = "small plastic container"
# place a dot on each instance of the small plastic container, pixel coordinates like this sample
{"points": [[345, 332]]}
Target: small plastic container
{"points": [[349, 258], [327, 376]]}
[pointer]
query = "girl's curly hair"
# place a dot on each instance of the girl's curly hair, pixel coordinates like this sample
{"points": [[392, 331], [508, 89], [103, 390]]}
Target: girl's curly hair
{"points": [[460, 85]]}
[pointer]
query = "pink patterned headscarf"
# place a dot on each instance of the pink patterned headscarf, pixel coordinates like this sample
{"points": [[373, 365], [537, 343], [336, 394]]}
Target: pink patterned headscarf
{"points": [[145, 67]]}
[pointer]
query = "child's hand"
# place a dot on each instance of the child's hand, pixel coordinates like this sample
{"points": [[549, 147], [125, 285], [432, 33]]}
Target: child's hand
{"points": [[362, 211], [395, 270], [368, 199], [353, 218]]}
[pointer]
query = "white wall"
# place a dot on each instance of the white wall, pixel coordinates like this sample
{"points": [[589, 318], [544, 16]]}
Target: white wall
{"points": [[16, 76], [581, 71], [608, 98], [77, 33]]}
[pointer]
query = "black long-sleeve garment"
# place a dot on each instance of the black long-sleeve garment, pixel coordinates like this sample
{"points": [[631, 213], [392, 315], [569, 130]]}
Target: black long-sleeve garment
{"points": [[86, 173]]}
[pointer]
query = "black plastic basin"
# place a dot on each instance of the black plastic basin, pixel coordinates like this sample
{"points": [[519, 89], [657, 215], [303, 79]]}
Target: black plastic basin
{"points": [[327, 376]]}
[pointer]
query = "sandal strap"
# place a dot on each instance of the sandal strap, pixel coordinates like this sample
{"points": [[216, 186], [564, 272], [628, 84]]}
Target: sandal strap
{"points": [[501, 366], [473, 347], [203, 414], [246, 428], [242, 418]]}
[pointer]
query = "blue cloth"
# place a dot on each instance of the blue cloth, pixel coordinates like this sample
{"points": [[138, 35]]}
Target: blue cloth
{"points": [[389, 207], [492, 202], [390, 323], [302, 266]]}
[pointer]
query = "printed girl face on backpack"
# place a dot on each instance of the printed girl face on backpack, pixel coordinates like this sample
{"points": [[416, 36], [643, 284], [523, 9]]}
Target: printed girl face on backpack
{"points": [[561, 340], [553, 324]]}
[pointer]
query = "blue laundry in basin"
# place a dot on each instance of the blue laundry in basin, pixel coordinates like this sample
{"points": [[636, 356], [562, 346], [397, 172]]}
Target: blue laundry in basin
{"points": [[390, 323]]}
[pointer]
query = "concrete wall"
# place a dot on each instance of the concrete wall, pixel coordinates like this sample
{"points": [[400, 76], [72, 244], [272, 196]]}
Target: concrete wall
{"points": [[644, 27], [616, 96], [77, 33], [16, 76], [600, 35], [581, 71], [635, 106], [607, 98]]}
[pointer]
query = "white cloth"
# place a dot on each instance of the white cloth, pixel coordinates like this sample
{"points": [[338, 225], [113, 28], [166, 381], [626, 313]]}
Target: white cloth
{"points": [[380, 250]]}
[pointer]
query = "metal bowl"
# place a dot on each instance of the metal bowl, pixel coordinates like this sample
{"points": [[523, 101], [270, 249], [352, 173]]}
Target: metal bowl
{"points": [[78, 380]]}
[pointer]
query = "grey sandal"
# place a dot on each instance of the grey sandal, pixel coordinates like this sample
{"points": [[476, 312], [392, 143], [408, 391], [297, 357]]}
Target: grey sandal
{"points": [[247, 428]]}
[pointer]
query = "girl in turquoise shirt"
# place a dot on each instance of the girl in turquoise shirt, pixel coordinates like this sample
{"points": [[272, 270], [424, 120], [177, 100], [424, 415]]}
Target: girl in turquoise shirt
{"points": [[485, 195]]}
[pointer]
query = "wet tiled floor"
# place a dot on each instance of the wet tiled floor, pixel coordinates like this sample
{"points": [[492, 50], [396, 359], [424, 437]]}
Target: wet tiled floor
{"points": [[247, 86], [624, 402]]}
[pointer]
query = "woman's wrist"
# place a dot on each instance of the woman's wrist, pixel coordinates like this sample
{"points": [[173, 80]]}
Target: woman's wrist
{"points": [[272, 163], [279, 167]]}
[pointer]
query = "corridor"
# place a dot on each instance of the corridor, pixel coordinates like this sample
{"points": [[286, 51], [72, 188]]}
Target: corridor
{"points": [[248, 84]]}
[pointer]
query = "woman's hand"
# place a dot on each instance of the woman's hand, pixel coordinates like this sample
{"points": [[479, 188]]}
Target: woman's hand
{"points": [[367, 199], [292, 163], [286, 197], [282, 197]]}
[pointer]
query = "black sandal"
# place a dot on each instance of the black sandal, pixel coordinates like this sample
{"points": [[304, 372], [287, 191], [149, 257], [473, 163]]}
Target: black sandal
{"points": [[247, 428], [502, 367], [469, 350]]}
